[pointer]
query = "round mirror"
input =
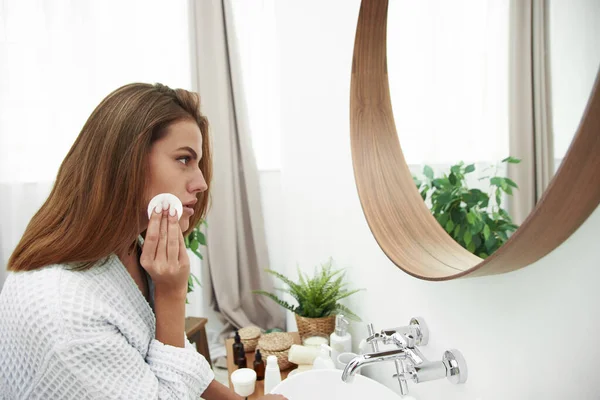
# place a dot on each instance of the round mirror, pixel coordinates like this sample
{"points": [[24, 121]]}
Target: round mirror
{"points": [[467, 92]]}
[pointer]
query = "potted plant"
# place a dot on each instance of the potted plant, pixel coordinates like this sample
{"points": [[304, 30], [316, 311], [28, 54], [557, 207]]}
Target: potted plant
{"points": [[318, 299], [193, 242], [479, 225]]}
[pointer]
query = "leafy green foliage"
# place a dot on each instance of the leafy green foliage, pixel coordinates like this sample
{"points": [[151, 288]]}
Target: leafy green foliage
{"points": [[193, 242], [196, 239], [477, 224], [318, 296]]}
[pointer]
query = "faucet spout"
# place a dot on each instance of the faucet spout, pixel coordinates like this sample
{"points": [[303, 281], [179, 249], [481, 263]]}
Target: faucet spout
{"points": [[370, 358]]}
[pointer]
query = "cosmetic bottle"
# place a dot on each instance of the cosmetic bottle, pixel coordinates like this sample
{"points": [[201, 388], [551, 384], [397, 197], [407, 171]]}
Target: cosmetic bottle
{"points": [[259, 366], [240, 359], [340, 340], [238, 347], [272, 374]]}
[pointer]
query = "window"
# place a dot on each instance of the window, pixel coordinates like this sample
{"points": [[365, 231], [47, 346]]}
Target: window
{"points": [[58, 60], [574, 60], [448, 72]]}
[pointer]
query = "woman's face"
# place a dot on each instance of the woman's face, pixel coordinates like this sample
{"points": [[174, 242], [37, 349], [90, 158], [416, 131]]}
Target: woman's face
{"points": [[173, 163]]}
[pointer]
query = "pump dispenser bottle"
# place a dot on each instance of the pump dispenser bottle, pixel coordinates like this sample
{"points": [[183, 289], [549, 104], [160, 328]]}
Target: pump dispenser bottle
{"points": [[340, 340]]}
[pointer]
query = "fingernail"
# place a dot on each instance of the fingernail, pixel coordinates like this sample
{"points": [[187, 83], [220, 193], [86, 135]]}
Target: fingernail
{"points": [[158, 209], [172, 211], [165, 205]]}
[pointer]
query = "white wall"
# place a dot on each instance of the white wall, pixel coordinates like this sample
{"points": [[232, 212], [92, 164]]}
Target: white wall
{"points": [[530, 334]]}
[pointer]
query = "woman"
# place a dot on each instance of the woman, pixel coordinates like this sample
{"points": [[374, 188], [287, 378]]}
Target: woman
{"points": [[95, 306]]}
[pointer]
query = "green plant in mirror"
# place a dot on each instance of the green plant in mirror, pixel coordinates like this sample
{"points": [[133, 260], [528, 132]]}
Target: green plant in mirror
{"points": [[193, 242], [479, 225], [317, 296]]}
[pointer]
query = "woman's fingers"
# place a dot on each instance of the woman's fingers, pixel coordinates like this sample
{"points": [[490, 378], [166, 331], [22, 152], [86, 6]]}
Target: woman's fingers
{"points": [[164, 255], [173, 237], [183, 255], [161, 248], [151, 239]]}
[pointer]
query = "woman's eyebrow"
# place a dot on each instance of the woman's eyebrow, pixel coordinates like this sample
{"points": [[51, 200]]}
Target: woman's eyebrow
{"points": [[194, 155]]}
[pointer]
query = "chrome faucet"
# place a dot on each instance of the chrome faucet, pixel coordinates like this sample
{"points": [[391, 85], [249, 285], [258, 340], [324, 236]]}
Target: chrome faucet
{"points": [[365, 359], [411, 364]]}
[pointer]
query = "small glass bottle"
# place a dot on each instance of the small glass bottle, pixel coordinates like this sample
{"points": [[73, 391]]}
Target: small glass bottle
{"points": [[240, 359], [259, 366], [238, 347]]}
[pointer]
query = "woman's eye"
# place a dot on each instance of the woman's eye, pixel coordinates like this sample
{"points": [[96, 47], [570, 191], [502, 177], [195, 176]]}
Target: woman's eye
{"points": [[186, 158]]}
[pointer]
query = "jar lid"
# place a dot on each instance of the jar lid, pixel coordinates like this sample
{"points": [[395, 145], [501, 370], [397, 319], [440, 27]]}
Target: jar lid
{"points": [[249, 332], [243, 376], [276, 341]]}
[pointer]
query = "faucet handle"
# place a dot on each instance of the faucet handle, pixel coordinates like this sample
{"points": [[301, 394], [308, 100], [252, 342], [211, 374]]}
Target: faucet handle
{"points": [[416, 333], [403, 341], [422, 328], [456, 366], [371, 339], [385, 337]]}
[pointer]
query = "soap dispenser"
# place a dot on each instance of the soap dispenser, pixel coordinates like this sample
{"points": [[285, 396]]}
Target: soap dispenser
{"points": [[323, 360], [340, 340]]}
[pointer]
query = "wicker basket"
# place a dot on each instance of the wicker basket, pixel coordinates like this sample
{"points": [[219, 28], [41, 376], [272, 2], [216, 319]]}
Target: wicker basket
{"points": [[277, 344], [249, 336], [310, 326]]}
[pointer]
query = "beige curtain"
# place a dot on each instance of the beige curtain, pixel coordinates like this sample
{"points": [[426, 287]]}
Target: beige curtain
{"points": [[530, 118], [237, 251]]}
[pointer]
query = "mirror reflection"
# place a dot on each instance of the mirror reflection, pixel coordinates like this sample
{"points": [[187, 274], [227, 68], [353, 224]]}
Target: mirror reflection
{"points": [[487, 96]]}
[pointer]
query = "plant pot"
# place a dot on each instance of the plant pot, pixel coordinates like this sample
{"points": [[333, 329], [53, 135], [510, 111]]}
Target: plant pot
{"points": [[310, 326]]}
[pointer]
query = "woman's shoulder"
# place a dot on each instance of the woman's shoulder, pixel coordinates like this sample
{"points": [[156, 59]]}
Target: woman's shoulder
{"points": [[25, 288], [55, 296], [50, 282], [30, 309]]}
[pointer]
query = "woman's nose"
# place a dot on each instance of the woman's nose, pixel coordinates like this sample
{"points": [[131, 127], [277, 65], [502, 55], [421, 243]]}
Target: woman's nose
{"points": [[198, 184]]}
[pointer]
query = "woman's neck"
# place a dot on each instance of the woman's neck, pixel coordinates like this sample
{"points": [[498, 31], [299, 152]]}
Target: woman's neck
{"points": [[131, 261]]}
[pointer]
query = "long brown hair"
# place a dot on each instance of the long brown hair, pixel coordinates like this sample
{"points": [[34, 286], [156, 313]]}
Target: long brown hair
{"points": [[100, 186]]}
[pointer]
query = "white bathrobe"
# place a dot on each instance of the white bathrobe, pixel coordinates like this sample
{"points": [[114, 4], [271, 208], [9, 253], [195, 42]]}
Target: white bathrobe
{"points": [[89, 335]]}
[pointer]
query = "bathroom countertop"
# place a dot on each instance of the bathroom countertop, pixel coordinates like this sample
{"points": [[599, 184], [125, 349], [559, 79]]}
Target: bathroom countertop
{"points": [[260, 385]]}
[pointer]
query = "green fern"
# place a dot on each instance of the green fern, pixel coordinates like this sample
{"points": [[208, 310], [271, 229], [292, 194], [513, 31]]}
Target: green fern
{"points": [[317, 296], [282, 303], [347, 312]]}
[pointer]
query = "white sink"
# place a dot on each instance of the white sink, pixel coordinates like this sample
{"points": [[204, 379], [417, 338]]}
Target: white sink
{"points": [[327, 384]]}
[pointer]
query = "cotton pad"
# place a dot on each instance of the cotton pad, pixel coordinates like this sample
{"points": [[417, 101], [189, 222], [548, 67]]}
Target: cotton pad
{"points": [[165, 200]]}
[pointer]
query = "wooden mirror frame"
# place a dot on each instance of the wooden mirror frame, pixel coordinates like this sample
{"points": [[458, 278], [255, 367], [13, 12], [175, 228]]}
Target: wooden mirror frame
{"points": [[400, 221]]}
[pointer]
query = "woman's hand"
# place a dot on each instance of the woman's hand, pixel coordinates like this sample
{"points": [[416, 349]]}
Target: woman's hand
{"points": [[164, 255]]}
